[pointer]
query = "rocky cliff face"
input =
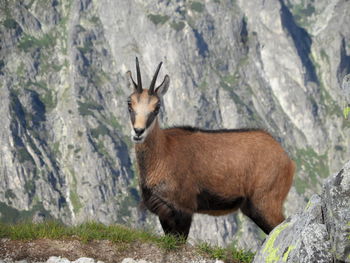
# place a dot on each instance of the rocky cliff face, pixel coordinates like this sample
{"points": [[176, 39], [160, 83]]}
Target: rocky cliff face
{"points": [[65, 147]]}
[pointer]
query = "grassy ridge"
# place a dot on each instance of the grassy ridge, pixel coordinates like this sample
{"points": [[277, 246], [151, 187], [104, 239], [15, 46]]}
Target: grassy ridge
{"points": [[115, 233]]}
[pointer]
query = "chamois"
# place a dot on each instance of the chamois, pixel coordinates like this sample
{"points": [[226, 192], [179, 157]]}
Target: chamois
{"points": [[185, 170]]}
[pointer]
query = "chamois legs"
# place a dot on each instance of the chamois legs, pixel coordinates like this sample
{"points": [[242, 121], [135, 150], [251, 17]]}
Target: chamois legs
{"points": [[177, 224]]}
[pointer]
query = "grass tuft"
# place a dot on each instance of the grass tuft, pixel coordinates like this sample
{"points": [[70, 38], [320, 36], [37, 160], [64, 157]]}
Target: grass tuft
{"points": [[228, 254], [169, 242]]}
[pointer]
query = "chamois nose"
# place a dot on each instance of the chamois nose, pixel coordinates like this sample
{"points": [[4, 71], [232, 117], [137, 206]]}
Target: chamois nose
{"points": [[139, 131]]}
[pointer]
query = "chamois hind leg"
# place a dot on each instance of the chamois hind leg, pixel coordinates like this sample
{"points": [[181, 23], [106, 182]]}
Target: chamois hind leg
{"points": [[267, 214], [176, 223], [265, 207]]}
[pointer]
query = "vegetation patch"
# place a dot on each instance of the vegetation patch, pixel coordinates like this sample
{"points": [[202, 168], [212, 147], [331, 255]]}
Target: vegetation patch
{"points": [[88, 45], [101, 130], [229, 254], [87, 108], [197, 6], [9, 194], [23, 155], [302, 13], [73, 194], [10, 215], [29, 42], [203, 85], [128, 201], [10, 23], [315, 166], [103, 151], [47, 96], [29, 186], [56, 149], [74, 198], [228, 82], [346, 112], [49, 99], [70, 147], [114, 123], [158, 19], [178, 26]]}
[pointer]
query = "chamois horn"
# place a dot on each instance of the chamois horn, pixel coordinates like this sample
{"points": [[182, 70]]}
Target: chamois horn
{"points": [[153, 83], [138, 85], [139, 82]]}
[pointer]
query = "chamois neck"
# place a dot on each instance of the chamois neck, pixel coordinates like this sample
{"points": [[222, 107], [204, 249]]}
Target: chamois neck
{"points": [[153, 144], [148, 152]]}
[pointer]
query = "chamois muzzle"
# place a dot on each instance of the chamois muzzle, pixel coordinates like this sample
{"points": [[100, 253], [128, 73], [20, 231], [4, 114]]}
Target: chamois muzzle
{"points": [[139, 131]]}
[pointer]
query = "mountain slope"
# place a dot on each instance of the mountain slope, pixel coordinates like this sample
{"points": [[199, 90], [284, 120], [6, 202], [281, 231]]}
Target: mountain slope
{"points": [[66, 151]]}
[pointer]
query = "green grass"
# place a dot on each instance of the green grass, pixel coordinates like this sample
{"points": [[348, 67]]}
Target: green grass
{"points": [[229, 254], [85, 232], [117, 234]]}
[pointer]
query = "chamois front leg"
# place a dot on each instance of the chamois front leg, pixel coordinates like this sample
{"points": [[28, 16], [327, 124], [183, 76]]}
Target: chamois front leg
{"points": [[176, 223], [173, 222]]}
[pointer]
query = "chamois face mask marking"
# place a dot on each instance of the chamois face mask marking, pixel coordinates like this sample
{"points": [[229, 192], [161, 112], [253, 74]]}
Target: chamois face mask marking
{"points": [[143, 110]]}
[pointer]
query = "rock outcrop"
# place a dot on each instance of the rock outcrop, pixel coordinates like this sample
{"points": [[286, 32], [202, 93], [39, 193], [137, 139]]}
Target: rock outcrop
{"points": [[321, 233]]}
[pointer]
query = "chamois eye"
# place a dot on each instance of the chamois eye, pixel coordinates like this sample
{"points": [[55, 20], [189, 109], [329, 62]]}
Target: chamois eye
{"points": [[129, 106]]}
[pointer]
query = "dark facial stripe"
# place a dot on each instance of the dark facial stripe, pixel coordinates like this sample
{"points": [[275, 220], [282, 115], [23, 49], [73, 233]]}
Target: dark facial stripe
{"points": [[151, 118], [132, 117]]}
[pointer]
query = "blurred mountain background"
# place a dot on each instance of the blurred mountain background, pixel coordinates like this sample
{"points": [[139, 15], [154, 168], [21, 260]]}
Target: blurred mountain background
{"points": [[64, 127]]}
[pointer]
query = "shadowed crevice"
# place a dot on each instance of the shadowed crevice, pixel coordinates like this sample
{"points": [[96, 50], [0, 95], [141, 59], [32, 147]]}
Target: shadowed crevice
{"points": [[302, 42], [344, 65], [201, 44]]}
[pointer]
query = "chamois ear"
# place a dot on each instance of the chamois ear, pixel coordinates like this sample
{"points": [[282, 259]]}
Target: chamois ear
{"points": [[130, 80], [163, 88]]}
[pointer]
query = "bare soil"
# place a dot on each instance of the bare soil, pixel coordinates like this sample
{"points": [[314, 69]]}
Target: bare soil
{"points": [[40, 250]]}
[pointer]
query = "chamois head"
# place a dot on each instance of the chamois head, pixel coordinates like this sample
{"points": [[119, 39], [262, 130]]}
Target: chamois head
{"points": [[144, 104]]}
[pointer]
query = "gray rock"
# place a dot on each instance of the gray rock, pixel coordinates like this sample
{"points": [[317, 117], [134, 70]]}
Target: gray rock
{"points": [[318, 234], [336, 199], [130, 260], [54, 259]]}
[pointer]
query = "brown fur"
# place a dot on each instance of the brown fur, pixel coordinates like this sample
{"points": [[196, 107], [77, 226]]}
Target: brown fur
{"points": [[247, 164]]}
